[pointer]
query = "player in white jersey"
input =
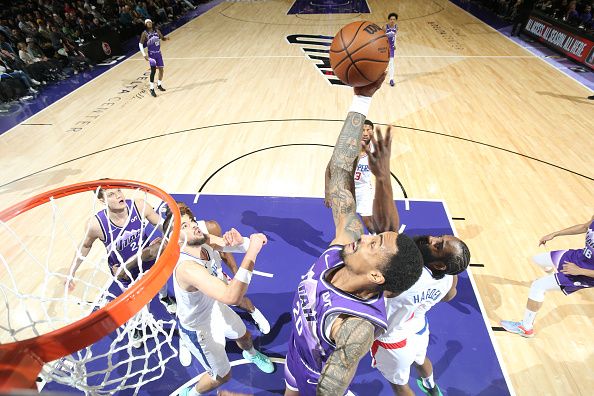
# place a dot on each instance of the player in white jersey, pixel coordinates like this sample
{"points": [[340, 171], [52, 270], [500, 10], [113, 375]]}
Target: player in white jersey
{"points": [[405, 342], [204, 316], [364, 190]]}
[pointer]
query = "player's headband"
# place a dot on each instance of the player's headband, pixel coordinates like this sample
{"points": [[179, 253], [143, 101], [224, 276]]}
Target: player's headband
{"points": [[147, 21]]}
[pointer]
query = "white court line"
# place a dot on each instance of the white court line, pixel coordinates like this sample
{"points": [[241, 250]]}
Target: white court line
{"points": [[524, 48], [401, 229], [406, 204], [232, 364], [264, 274], [483, 313]]}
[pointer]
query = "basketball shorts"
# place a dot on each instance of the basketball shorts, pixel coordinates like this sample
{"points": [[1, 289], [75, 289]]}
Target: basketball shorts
{"points": [[556, 259], [299, 376], [393, 360], [157, 57], [207, 343], [364, 198]]}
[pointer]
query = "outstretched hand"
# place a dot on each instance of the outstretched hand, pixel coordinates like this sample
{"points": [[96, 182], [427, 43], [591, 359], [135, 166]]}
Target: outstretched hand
{"points": [[379, 159], [372, 88]]}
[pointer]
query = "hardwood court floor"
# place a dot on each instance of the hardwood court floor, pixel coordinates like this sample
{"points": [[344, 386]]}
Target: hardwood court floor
{"points": [[498, 134]]}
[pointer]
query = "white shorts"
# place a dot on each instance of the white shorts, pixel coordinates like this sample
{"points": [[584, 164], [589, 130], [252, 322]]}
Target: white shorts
{"points": [[394, 360], [207, 343], [364, 199]]}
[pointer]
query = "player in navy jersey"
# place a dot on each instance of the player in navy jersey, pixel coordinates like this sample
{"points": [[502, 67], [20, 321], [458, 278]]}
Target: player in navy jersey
{"points": [[391, 32], [121, 227], [575, 271], [152, 37], [338, 309]]}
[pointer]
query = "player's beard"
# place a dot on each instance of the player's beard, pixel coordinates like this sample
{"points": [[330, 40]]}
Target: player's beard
{"points": [[197, 241], [422, 242]]}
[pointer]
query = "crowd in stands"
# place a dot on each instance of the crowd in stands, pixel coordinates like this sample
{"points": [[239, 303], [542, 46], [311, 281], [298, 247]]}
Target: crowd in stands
{"points": [[574, 12], [40, 40]]}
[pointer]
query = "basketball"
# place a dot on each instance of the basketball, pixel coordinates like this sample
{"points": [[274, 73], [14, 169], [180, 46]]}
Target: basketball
{"points": [[359, 53]]}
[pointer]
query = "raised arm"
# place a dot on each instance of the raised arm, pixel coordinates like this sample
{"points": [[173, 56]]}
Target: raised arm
{"points": [[231, 294], [353, 337], [342, 165], [385, 215]]}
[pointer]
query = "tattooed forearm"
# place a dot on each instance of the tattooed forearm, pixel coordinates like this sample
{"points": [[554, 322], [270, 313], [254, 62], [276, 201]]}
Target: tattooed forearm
{"points": [[348, 144], [353, 340], [340, 190]]}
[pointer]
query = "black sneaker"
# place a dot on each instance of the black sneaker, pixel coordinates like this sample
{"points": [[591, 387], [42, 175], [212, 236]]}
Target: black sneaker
{"points": [[591, 97], [160, 88], [153, 94], [137, 339], [169, 303]]}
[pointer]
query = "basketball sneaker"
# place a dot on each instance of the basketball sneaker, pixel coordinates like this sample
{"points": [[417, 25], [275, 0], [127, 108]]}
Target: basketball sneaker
{"points": [[185, 356], [517, 328], [169, 303], [160, 88], [153, 94], [137, 339], [261, 321], [259, 359], [435, 391], [391, 83]]}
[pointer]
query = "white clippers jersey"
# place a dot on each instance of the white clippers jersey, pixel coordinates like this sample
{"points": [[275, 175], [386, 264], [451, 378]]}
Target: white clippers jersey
{"points": [[406, 312], [363, 174], [194, 308]]}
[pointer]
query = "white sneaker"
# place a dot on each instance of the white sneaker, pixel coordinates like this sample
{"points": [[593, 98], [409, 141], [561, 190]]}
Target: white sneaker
{"points": [[261, 321], [35, 82], [169, 303], [185, 356], [137, 339]]}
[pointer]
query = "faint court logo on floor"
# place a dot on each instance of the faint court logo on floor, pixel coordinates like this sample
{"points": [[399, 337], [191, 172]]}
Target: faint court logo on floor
{"points": [[315, 47]]}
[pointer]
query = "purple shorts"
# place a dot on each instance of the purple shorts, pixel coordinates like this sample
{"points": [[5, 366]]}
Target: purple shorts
{"points": [[157, 57], [570, 283]]}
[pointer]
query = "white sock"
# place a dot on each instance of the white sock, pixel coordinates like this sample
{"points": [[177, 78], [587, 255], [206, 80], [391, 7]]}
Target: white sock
{"points": [[391, 69], [194, 392], [152, 85], [528, 321], [159, 82], [428, 382], [252, 351]]}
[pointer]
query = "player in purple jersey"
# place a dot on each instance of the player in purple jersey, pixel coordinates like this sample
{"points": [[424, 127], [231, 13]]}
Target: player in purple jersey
{"points": [[391, 32], [121, 228], [575, 272], [338, 309], [152, 37]]}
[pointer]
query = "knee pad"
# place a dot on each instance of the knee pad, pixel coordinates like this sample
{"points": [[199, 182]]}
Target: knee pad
{"points": [[542, 285]]}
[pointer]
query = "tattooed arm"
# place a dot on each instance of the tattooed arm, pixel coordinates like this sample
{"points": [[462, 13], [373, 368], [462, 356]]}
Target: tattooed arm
{"points": [[340, 190], [353, 337]]}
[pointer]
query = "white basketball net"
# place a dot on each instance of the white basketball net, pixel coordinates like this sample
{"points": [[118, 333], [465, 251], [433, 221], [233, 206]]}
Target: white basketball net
{"points": [[36, 250]]}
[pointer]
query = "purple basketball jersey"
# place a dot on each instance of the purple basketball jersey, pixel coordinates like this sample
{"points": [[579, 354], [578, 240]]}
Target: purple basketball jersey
{"points": [[391, 32], [316, 304], [153, 43], [122, 243], [583, 258]]}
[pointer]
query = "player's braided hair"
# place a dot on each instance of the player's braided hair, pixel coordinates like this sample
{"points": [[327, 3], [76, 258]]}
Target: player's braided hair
{"points": [[457, 263]]}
